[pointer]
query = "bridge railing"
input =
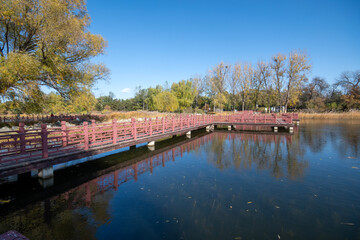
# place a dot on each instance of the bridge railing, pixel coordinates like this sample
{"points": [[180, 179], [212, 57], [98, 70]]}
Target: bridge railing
{"points": [[44, 142]]}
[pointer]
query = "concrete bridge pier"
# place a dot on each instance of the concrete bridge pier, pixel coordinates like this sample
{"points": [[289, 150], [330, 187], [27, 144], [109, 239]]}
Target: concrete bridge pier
{"points": [[46, 173], [188, 134], [229, 127], [46, 177], [151, 146], [132, 147], [275, 129], [291, 129]]}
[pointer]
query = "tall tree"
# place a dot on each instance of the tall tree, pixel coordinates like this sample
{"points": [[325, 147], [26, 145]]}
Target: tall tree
{"points": [[278, 66], [245, 83], [234, 83], [218, 80], [298, 67], [166, 102], [47, 43]]}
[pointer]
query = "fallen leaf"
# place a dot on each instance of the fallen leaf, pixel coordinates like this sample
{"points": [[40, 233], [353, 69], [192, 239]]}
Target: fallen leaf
{"points": [[230, 206], [238, 238], [355, 167], [348, 223], [278, 236], [277, 207], [249, 202]]}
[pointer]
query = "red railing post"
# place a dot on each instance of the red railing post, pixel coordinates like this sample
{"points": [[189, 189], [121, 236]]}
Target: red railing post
{"points": [[133, 125], [114, 131], [86, 135], [188, 121], [22, 137], [150, 127], [255, 118], [63, 133], [157, 124], [93, 138], [44, 141], [173, 124], [163, 125]]}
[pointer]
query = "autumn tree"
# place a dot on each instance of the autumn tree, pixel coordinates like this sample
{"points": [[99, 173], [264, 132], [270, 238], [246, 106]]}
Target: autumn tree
{"points": [[298, 67], [350, 82], [47, 43]]}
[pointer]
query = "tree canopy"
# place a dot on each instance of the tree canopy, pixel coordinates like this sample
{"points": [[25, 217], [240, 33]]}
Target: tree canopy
{"points": [[47, 43]]}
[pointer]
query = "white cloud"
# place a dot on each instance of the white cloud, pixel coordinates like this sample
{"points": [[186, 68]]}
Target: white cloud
{"points": [[126, 90]]}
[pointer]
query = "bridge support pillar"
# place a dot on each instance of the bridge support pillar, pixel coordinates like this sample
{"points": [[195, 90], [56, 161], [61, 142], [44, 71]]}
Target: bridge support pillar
{"points": [[188, 134], [174, 136], [229, 127], [151, 144], [291, 129], [275, 129], [208, 128], [132, 147], [151, 148], [46, 173]]}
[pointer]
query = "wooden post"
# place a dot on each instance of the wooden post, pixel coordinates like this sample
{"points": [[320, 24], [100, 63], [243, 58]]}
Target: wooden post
{"points": [[114, 130], [133, 124], [44, 141], [86, 135], [22, 137], [64, 133], [93, 138]]}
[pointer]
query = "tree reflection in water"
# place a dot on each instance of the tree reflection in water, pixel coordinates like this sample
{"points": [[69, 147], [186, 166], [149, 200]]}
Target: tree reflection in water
{"points": [[281, 155]]}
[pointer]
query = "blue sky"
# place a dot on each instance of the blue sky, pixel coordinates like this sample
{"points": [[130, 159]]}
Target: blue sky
{"points": [[150, 42]]}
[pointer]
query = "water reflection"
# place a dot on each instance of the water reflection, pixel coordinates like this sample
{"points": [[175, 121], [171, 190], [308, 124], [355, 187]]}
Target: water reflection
{"points": [[219, 186], [279, 154]]}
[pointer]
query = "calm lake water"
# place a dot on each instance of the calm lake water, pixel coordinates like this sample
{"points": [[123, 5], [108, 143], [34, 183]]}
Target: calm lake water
{"points": [[214, 186]]}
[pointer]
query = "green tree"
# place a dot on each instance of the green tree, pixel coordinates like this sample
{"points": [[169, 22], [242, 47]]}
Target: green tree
{"points": [[166, 102], [47, 43], [184, 92]]}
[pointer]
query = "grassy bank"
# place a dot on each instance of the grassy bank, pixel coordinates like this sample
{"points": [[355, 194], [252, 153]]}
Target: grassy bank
{"points": [[343, 115]]}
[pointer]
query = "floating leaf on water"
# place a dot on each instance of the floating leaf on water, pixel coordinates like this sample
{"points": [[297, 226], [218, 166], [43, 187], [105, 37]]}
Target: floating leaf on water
{"points": [[189, 197], [249, 202], [351, 157], [348, 223], [277, 207], [238, 238], [4, 201], [278, 236], [355, 167], [167, 221], [230, 206]]}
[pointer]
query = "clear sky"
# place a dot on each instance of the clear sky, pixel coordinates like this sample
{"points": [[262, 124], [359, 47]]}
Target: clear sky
{"points": [[150, 42]]}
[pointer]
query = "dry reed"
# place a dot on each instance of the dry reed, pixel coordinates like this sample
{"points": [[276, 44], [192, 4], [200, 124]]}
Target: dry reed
{"points": [[342, 115]]}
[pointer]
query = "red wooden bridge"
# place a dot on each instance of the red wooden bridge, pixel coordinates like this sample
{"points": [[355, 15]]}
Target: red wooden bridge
{"points": [[26, 149]]}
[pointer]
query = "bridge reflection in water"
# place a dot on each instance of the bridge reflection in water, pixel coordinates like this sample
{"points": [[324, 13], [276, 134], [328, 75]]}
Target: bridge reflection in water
{"points": [[263, 150]]}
